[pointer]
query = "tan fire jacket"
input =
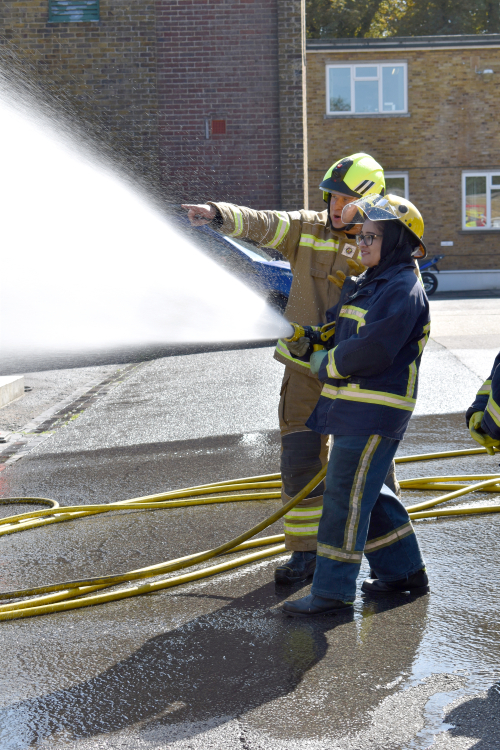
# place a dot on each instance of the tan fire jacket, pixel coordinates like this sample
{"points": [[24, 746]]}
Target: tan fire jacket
{"points": [[314, 252]]}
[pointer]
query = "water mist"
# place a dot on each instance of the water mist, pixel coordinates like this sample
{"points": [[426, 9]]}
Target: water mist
{"points": [[87, 265]]}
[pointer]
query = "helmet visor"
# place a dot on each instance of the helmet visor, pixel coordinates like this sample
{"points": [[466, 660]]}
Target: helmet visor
{"points": [[374, 208]]}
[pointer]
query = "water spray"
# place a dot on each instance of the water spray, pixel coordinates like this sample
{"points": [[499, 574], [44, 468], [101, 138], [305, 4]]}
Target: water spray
{"points": [[89, 267]]}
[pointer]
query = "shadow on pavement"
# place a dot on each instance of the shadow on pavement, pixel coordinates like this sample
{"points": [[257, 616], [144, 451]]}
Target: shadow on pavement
{"points": [[478, 718], [221, 665]]}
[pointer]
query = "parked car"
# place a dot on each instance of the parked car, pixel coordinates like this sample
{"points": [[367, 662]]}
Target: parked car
{"points": [[261, 268]]}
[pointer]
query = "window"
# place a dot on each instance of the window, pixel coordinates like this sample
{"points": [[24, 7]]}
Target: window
{"points": [[481, 200], [397, 184], [70, 11], [366, 89]]}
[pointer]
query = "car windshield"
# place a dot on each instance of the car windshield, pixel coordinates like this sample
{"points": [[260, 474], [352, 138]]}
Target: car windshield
{"points": [[264, 253]]}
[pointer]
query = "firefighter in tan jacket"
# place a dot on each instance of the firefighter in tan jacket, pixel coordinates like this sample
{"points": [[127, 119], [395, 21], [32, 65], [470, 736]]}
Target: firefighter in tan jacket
{"points": [[317, 246]]}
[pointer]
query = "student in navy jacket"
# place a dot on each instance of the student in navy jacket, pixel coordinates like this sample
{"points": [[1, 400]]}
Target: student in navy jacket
{"points": [[370, 381], [483, 416]]}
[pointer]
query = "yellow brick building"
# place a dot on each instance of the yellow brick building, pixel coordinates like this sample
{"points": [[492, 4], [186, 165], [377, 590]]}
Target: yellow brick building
{"points": [[428, 109]]}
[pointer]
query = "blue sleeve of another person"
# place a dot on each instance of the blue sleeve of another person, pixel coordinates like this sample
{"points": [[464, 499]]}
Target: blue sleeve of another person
{"points": [[488, 400]]}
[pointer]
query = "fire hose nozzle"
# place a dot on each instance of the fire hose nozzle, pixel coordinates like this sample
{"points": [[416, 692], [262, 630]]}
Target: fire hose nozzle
{"points": [[318, 336]]}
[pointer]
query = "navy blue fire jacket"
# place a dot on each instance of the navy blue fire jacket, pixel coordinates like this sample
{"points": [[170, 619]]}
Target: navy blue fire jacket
{"points": [[488, 400], [371, 374]]}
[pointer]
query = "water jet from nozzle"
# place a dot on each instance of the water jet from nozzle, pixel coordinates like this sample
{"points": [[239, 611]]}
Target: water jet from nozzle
{"points": [[89, 266]]}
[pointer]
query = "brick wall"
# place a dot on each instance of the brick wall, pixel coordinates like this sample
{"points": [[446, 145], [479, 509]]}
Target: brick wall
{"points": [[218, 60], [100, 76], [453, 125], [293, 113], [145, 82]]}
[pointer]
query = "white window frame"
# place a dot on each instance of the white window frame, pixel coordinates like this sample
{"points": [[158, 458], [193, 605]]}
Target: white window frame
{"points": [[360, 64], [488, 175], [404, 175]]}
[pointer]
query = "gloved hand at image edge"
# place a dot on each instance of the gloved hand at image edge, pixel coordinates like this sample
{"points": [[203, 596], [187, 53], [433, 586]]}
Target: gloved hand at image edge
{"points": [[317, 359], [478, 434]]}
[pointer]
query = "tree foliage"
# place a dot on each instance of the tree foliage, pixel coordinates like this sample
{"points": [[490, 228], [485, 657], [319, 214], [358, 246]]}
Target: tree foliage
{"points": [[381, 18]]}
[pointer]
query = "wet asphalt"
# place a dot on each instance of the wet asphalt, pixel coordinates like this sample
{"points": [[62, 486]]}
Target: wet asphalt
{"points": [[215, 664]]}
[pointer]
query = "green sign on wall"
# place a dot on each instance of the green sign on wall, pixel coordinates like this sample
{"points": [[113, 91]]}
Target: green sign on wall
{"points": [[71, 11]]}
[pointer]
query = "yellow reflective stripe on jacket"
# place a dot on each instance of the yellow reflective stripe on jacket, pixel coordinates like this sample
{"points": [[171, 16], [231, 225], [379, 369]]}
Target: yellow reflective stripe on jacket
{"points": [[354, 313], [412, 379], [485, 389], [390, 538], [422, 342], [283, 350], [493, 411], [316, 243], [351, 311], [335, 553], [352, 392], [238, 221], [281, 231], [331, 367]]}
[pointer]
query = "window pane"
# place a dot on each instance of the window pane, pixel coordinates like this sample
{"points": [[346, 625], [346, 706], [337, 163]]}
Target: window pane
{"points": [[72, 11], [395, 185], [393, 88], [366, 96], [340, 89], [367, 71], [475, 201], [495, 209], [495, 179]]}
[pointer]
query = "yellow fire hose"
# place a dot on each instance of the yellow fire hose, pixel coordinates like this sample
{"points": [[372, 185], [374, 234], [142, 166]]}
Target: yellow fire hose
{"points": [[74, 594]]}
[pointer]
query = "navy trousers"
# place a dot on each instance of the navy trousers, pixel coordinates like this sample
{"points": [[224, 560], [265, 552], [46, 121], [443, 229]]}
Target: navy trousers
{"points": [[362, 515]]}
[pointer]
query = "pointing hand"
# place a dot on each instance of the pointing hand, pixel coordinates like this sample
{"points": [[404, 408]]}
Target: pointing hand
{"points": [[200, 214]]}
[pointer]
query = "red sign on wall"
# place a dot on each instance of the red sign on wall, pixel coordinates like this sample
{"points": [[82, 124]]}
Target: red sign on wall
{"points": [[218, 127]]}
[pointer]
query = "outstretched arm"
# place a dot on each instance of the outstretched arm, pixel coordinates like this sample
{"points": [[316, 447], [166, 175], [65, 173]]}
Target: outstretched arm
{"points": [[200, 214], [277, 230]]}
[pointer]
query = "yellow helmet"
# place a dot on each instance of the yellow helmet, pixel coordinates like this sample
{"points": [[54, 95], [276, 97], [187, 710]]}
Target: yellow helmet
{"points": [[355, 175], [384, 208]]}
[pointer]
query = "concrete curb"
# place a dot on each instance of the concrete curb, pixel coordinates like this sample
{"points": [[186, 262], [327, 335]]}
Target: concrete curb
{"points": [[11, 388]]}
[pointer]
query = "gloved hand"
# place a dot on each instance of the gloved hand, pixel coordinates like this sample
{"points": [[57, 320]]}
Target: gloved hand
{"points": [[300, 347], [338, 279], [357, 268], [479, 435], [317, 359]]}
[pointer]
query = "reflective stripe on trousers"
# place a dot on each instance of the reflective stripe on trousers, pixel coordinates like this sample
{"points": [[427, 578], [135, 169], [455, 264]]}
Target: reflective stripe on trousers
{"points": [[361, 514], [303, 453]]}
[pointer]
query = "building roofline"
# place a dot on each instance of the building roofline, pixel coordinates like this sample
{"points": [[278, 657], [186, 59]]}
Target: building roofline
{"points": [[451, 41]]}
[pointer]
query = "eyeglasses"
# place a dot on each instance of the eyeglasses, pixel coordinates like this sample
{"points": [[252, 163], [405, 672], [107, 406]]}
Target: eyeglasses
{"points": [[366, 239]]}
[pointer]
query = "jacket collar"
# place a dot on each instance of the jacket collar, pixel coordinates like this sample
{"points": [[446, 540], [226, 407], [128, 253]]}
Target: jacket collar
{"points": [[390, 272]]}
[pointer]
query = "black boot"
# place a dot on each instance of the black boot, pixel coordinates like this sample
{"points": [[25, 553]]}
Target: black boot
{"points": [[418, 583], [314, 605], [299, 567]]}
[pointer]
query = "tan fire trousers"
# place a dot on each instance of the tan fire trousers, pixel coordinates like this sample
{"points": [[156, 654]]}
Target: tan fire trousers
{"points": [[303, 453]]}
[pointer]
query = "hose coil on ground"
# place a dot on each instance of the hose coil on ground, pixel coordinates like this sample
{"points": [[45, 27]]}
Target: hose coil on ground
{"points": [[41, 600]]}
